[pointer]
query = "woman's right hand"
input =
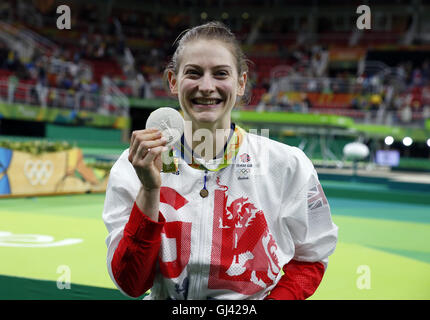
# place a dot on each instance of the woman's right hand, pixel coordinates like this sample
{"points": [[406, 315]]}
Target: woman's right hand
{"points": [[145, 151]]}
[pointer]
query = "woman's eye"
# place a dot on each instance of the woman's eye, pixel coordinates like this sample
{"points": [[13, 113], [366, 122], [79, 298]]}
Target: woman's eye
{"points": [[193, 72], [222, 73]]}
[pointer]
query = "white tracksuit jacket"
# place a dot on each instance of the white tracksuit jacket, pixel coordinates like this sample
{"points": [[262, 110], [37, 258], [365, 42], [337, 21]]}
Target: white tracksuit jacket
{"points": [[264, 209]]}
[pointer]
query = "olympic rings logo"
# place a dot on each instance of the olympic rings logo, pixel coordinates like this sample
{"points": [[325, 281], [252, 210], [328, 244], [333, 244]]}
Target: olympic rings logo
{"points": [[38, 172], [243, 173]]}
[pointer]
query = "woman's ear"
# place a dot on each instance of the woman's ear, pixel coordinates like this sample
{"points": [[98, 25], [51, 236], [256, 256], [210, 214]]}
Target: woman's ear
{"points": [[173, 83], [242, 84]]}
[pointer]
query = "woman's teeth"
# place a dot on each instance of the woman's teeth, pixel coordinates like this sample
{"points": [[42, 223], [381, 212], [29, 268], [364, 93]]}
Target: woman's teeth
{"points": [[206, 101]]}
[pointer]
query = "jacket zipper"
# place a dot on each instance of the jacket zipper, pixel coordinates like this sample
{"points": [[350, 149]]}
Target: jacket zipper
{"points": [[201, 245]]}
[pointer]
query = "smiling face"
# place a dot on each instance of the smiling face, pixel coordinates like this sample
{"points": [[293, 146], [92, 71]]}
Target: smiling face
{"points": [[207, 83]]}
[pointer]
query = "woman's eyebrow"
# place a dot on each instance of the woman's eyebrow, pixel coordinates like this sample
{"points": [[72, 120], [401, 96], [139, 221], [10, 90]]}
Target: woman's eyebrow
{"points": [[199, 67]]}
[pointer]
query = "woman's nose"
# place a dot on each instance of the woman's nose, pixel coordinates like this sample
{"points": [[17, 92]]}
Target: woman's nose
{"points": [[206, 84]]}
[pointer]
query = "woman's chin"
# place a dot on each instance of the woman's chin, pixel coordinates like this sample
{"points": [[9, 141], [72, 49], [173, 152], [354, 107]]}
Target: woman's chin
{"points": [[207, 115], [206, 118]]}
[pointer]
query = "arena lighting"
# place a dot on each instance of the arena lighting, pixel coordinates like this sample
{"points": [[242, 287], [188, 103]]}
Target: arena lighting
{"points": [[245, 15], [203, 15], [407, 141], [224, 15], [428, 142], [389, 140]]}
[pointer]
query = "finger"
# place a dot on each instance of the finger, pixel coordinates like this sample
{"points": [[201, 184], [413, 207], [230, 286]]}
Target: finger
{"points": [[137, 155], [144, 134], [149, 157], [141, 135], [152, 154], [145, 146]]}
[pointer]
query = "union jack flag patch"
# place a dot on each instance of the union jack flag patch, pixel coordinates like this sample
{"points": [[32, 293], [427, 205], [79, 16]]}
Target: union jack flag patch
{"points": [[316, 198]]}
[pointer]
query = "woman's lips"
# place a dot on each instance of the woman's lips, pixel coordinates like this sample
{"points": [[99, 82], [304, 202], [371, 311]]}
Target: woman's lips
{"points": [[206, 104]]}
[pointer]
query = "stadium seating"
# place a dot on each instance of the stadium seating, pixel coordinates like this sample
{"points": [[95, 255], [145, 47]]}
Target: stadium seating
{"points": [[145, 30]]}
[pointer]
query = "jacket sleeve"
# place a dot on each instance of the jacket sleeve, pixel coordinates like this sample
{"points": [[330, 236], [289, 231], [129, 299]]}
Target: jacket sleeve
{"points": [[134, 260], [299, 282], [134, 240], [306, 218]]}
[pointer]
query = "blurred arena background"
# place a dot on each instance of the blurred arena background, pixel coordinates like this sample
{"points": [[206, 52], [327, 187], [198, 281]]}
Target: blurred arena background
{"points": [[69, 99]]}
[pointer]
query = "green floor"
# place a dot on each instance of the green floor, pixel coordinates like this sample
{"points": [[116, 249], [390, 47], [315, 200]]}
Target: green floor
{"points": [[383, 250]]}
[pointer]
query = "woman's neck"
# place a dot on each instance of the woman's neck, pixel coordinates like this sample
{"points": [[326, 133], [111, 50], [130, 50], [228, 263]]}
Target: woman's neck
{"points": [[208, 140]]}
